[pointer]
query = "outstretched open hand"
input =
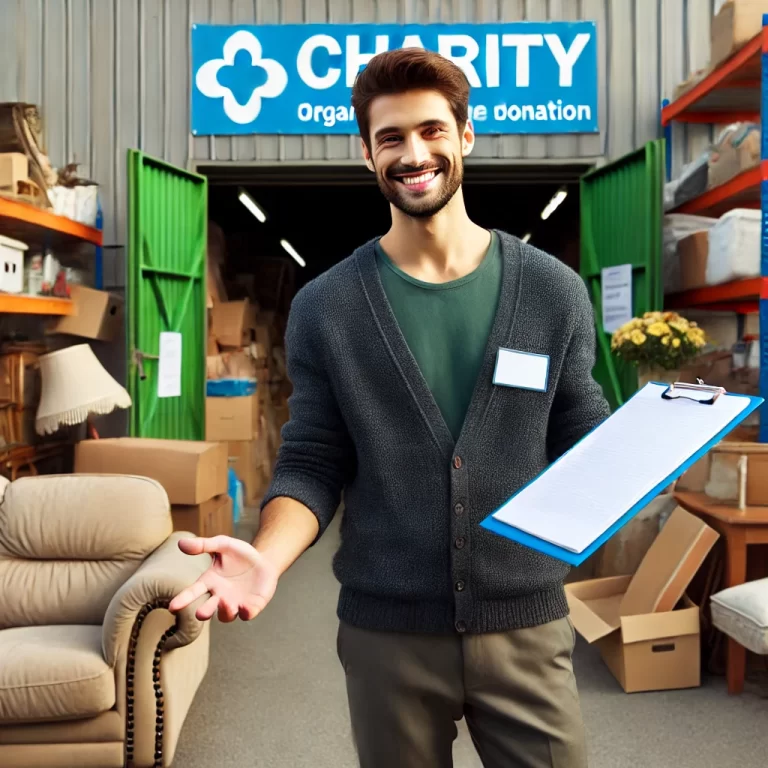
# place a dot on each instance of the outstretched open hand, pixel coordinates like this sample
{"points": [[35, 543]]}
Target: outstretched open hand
{"points": [[240, 581]]}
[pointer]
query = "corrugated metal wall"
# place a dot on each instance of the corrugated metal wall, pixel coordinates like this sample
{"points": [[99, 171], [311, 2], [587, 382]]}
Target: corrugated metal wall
{"points": [[114, 74]]}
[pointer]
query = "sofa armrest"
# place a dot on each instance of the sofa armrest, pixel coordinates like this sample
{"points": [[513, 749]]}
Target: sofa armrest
{"points": [[165, 573]]}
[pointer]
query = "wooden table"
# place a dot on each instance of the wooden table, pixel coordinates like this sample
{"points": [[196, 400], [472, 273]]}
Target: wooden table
{"points": [[739, 528]]}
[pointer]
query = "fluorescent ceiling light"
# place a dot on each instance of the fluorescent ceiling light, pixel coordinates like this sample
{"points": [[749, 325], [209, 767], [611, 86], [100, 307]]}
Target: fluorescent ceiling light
{"points": [[554, 203], [250, 204], [292, 251], [526, 237]]}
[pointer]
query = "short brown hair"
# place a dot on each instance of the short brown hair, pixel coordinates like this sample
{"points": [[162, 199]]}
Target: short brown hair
{"points": [[409, 69]]}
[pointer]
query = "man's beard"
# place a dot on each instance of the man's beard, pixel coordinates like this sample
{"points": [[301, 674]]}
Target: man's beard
{"points": [[449, 180]]}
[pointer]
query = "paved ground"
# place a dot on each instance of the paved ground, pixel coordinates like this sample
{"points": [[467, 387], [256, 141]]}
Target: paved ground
{"points": [[274, 698]]}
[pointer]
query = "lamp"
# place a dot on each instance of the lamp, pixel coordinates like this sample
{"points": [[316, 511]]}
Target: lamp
{"points": [[75, 387]]}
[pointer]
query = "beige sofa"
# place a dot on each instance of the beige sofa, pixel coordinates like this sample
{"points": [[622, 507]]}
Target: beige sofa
{"points": [[94, 670]]}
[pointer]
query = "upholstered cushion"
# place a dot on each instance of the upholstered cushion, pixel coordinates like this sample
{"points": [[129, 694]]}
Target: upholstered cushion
{"points": [[53, 673], [108, 726], [742, 613], [67, 543]]}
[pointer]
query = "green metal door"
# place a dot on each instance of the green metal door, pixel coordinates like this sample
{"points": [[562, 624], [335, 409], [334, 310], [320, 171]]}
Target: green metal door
{"points": [[168, 211], [622, 223]]}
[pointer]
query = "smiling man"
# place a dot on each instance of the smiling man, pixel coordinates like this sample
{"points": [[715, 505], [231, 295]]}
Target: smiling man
{"points": [[396, 403]]}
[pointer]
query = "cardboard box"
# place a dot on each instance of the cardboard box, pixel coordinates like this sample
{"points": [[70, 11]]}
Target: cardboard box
{"points": [[249, 461], [737, 22], [211, 518], [14, 167], [723, 483], [191, 472], [718, 473], [231, 418], [692, 252], [647, 631], [98, 315], [653, 652], [232, 323]]}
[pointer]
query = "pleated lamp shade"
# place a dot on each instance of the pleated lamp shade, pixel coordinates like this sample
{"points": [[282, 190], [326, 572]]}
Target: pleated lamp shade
{"points": [[74, 387]]}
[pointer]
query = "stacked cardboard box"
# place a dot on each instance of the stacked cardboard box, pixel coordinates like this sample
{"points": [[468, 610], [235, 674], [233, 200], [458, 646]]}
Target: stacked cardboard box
{"points": [[194, 475], [238, 423], [240, 348], [244, 345]]}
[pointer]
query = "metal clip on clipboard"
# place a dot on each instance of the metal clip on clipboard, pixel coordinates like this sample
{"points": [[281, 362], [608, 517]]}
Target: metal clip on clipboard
{"points": [[677, 391]]}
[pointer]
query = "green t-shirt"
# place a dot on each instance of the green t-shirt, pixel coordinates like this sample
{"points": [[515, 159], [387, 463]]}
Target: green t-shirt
{"points": [[446, 326]]}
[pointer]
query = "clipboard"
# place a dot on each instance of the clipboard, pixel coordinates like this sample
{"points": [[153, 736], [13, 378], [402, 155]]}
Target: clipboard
{"points": [[691, 418]]}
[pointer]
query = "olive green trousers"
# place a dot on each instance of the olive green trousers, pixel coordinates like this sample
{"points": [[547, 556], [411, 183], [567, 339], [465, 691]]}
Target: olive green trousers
{"points": [[516, 690]]}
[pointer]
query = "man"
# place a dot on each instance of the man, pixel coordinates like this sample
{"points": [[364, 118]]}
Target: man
{"points": [[392, 354]]}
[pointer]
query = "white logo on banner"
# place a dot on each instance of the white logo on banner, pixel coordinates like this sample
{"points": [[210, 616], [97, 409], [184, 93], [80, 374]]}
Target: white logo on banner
{"points": [[207, 78]]}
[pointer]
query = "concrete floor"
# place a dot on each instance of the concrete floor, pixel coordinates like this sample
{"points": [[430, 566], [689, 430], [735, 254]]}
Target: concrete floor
{"points": [[274, 697]]}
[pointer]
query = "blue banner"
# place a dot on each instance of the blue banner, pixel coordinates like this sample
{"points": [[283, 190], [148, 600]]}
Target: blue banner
{"points": [[526, 77]]}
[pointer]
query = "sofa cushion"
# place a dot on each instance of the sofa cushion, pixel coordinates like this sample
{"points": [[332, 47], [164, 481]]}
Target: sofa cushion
{"points": [[68, 543], [53, 673], [741, 612]]}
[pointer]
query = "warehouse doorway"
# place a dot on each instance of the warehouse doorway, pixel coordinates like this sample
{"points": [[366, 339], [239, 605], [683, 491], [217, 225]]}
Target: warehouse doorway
{"points": [[288, 224]]}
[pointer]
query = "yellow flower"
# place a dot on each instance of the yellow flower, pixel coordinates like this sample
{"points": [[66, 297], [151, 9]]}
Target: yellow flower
{"points": [[679, 325], [696, 337], [658, 329], [637, 337], [676, 343], [665, 341]]}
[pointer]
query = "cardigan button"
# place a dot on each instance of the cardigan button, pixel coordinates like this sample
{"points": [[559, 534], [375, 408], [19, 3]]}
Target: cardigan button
{"points": [[457, 462], [460, 585], [459, 509], [460, 542], [461, 627]]}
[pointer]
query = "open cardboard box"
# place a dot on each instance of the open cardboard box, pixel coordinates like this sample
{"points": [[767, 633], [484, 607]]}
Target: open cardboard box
{"points": [[645, 626]]}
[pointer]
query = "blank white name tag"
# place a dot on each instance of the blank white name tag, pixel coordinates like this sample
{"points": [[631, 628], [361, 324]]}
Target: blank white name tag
{"points": [[522, 370]]}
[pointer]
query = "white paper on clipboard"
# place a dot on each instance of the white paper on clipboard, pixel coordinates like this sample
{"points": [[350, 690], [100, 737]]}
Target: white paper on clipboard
{"points": [[615, 466]]}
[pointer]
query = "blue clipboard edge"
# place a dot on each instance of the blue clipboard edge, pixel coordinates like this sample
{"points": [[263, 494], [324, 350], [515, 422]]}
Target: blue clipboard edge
{"points": [[490, 523]]}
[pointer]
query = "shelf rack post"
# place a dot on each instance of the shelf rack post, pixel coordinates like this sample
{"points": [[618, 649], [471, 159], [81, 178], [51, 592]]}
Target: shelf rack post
{"points": [[763, 437], [667, 142]]}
